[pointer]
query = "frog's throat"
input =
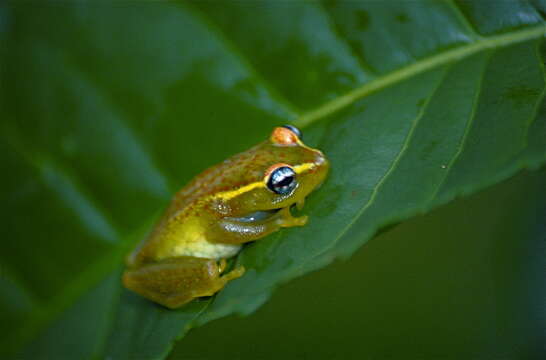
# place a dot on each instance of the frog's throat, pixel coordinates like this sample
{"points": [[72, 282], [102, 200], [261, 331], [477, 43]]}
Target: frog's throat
{"points": [[228, 195]]}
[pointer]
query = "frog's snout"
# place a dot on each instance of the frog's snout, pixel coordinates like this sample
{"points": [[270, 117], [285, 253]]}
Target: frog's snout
{"points": [[320, 159], [320, 156], [323, 168], [323, 164]]}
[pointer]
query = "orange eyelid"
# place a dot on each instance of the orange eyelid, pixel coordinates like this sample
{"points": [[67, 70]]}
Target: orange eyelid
{"points": [[273, 168], [283, 136]]}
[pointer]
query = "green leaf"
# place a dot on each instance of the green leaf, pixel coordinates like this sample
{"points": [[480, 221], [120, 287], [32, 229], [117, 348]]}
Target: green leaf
{"points": [[109, 108]]}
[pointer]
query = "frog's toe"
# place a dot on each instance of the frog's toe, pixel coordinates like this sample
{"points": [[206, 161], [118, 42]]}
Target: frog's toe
{"points": [[222, 264], [302, 220], [295, 221], [300, 203], [235, 273], [299, 221]]}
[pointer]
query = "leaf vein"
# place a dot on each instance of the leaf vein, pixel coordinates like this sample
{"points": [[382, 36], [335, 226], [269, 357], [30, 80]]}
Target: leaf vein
{"points": [[468, 126], [389, 171]]}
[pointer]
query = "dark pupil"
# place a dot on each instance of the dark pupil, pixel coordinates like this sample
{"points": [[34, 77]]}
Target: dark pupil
{"points": [[282, 180], [285, 182]]}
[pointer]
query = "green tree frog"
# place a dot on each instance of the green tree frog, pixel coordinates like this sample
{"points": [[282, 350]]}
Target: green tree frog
{"points": [[245, 198]]}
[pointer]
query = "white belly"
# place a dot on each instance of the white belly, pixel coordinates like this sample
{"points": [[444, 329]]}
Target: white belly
{"points": [[205, 249]]}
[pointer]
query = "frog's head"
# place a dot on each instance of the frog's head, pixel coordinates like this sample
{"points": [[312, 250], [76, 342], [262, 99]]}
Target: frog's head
{"points": [[278, 173]]}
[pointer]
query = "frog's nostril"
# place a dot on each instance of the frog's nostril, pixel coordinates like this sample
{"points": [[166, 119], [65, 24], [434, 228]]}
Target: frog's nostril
{"points": [[320, 158]]}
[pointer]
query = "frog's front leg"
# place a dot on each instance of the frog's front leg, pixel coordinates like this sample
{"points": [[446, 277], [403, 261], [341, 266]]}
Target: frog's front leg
{"points": [[235, 231], [176, 281]]}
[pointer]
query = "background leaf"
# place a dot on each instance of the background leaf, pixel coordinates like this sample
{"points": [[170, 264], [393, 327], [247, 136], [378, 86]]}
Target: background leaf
{"points": [[413, 102]]}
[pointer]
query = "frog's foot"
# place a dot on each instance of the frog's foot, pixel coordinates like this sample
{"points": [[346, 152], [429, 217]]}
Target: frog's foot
{"points": [[222, 265], [300, 203], [286, 219], [219, 282], [233, 274]]}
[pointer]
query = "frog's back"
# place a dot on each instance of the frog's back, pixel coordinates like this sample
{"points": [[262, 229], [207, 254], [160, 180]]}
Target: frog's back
{"points": [[234, 172], [180, 224]]}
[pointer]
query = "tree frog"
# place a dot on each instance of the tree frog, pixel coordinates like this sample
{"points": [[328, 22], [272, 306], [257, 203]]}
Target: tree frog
{"points": [[242, 199]]}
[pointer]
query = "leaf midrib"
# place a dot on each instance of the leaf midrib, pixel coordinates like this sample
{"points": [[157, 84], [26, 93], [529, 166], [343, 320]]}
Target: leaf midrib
{"points": [[416, 68]]}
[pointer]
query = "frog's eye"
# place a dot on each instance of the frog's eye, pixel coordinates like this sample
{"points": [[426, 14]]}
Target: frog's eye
{"points": [[294, 129], [286, 135], [281, 179]]}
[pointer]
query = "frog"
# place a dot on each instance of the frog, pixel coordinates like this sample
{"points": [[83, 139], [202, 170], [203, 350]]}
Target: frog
{"points": [[245, 198]]}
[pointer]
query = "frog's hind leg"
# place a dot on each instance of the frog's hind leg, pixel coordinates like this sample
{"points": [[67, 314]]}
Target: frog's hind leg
{"points": [[176, 281]]}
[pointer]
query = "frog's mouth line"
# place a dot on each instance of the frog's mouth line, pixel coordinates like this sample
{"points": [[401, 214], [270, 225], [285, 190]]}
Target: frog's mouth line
{"points": [[257, 216], [264, 215]]}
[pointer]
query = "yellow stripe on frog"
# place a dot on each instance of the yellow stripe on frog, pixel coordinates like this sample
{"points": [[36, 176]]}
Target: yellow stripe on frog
{"points": [[228, 195]]}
